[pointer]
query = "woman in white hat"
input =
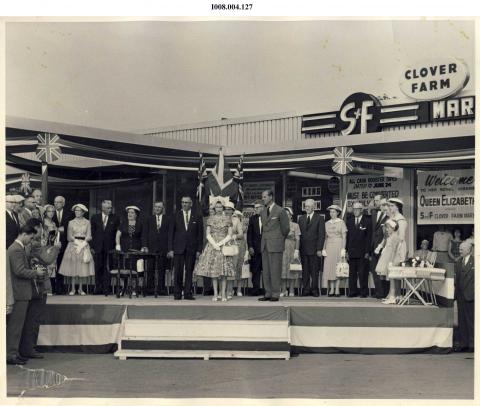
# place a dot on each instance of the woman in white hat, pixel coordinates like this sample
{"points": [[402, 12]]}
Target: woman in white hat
{"points": [[238, 239], [395, 208], [129, 237], [333, 249], [212, 263], [77, 264]]}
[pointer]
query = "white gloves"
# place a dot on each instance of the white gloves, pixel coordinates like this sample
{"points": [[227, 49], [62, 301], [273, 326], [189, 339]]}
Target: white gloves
{"points": [[343, 252], [377, 250], [213, 243], [295, 254], [118, 247], [224, 241], [324, 253]]}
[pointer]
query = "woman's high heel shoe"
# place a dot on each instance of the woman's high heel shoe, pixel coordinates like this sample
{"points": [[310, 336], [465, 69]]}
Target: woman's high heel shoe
{"points": [[71, 293]]}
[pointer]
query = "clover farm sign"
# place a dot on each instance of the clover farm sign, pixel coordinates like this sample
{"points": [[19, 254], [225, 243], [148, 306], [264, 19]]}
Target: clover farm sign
{"points": [[446, 197]]}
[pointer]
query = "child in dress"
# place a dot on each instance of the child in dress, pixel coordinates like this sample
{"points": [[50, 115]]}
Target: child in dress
{"points": [[389, 254]]}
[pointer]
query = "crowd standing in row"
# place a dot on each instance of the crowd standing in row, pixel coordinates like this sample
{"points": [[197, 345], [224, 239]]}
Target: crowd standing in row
{"points": [[49, 251]]}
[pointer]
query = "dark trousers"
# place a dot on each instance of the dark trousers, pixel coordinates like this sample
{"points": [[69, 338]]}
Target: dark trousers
{"points": [[256, 270], [31, 327], [58, 287], [379, 283], [16, 321], [179, 262], [161, 264], [272, 273], [358, 270], [466, 321], [310, 271], [102, 273]]}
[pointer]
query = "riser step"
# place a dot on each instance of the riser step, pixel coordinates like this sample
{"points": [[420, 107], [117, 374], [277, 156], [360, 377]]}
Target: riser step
{"points": [[124, 354], [212, 345]]}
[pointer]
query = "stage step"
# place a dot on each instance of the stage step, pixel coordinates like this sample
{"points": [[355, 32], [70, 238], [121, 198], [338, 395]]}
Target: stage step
{"points": [[204, 339]]}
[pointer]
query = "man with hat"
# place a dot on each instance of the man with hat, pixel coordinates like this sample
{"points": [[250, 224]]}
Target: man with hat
{"points": [[254, 241], [359, 241], [312, 238], [26, 213]]}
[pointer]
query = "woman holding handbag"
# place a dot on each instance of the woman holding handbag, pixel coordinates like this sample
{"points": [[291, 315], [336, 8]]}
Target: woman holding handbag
{"points": [[292, 244], [333, 249], [238, 240], [216, 261]]}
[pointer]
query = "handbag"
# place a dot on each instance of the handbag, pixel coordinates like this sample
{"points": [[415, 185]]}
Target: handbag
{"points": [[230, 250], [342, 269], [87, 255], [296, 266], [140, 265], [245, 267]]}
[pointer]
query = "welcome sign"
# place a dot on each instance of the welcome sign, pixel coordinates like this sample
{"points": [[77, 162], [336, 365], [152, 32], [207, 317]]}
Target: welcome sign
{"points": [[446, 197]]}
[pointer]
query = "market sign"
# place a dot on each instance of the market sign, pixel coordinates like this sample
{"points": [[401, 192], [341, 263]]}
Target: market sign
{"points": [[446, 197], [434, 79], [363, 113]]}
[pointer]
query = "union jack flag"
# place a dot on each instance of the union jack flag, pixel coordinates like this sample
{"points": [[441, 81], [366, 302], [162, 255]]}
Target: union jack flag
{"points": [[342, 163], [48, 149], [202, 176], [25, 184], [238, 177]]}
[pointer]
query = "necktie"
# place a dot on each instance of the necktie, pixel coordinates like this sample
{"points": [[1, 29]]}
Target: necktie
{"points": [[186, 220], [357, 221], [308, 220], [59, 216], [13, 217], [159, 224], [260, 224], [105, 220], [268, 211]]}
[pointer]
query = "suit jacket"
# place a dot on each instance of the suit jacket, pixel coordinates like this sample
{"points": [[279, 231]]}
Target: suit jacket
{"points": [[465, 279], [254, 235], [359, 239], [312, 235], [103, 240], [12, 228], [8, 287], [275, 229], [24, 216], [182, 241], [157, 240], [21, 273], [66, 217], [377, 229]]}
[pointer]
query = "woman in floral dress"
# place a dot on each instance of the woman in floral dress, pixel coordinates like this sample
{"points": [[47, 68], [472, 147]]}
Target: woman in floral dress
{"points": [[212, 263]]}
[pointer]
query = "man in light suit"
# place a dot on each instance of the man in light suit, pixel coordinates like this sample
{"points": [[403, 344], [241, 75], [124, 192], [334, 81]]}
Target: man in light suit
{"points": [[379, 217], [465, 294], [254, 241], [275, 229], [312, 237], [21, 277]]}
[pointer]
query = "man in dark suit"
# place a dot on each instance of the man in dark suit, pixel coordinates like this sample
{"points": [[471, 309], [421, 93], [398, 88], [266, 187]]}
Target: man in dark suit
{"points": [[61, 219], [275, 229], [12, 223], [104, 227], [254, 241], [185, 242], [379, 216], [359, 240], [155, 240], [26, 213], [21, 277], [312, 237], [465, 294]]}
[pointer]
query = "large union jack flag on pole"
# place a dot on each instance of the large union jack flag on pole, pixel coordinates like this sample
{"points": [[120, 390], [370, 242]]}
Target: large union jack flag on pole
{"points": [[48, 149], [202, 176], [238, 177], [342, 163]]}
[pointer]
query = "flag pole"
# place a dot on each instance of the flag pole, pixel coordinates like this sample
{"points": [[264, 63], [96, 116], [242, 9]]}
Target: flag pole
{"points": [[45, 181]]}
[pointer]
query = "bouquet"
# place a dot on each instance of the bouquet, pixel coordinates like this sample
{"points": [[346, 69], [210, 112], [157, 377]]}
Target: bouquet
{"points": [[417, 262]]}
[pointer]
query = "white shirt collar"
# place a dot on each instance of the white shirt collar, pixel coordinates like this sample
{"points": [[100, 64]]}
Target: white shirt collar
{"points": [[21, 243], [466, 259], [28, 210]]}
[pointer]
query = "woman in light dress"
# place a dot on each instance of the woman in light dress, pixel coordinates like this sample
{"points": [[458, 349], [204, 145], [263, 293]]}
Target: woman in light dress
{"points": [[333, 249], [77, 263], [212, 263], [292, 244], [454, 245], [395, 207], [238, 238]]}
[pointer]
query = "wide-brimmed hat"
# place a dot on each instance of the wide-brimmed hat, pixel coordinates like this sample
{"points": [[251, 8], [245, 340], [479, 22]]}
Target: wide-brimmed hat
{"points": [[213, 200], [229, 205], [18, 198], [133, 208], [289, 210], [81, 206], [335, 207], [395, 200], [238, 213], [10, 199]]}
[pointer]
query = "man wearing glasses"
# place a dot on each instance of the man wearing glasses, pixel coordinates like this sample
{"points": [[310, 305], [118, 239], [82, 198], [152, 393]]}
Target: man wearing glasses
{"points": [[185, 242]]}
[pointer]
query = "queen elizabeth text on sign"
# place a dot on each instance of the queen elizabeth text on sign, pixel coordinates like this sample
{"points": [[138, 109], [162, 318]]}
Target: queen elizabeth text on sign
{"points": [[434, 79]]}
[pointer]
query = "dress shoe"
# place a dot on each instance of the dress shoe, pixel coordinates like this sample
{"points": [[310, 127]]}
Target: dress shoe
{"points": [[264, 299], [352, 295], [34, 355], [315, 293], [162, 293], [22, 358], [331, 294], [15, 361], [305, 293], [177, 298], [254, 293], [274, 299], [337, 295], [364, 296], [189, 297]]}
